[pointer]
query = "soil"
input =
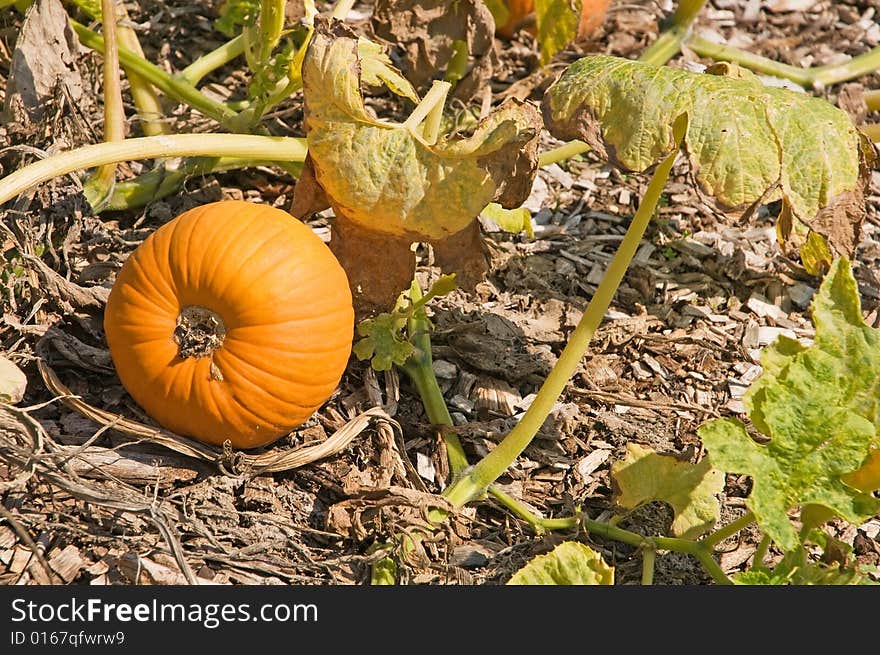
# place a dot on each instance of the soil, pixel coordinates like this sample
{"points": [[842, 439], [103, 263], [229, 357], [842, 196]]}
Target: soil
{"points": [[680, 344]]}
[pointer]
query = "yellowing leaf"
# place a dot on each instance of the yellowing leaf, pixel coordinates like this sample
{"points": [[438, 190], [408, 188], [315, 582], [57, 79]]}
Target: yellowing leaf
{"points": [[690, 489], [570, 563], [747, 143], [562, 22], [383, 175], [820, 407]]}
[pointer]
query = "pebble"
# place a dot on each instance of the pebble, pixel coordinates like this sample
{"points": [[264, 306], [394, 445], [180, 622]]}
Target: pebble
{"points": [[444, 370]]}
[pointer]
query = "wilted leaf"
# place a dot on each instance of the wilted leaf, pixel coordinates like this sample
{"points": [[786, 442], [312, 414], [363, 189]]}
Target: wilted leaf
{"points": [[384, 176], [561, 22], [747, 143], [37, 72], [427, 31], [820, 406], [570, 563], [13, 382], [690, 489], [390, 187]]}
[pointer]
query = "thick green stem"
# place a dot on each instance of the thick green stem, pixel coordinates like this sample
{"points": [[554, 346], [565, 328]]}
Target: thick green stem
{"points": [[703, 554], [668, 44], [473, 485], [538, 523], [161, 182], [457, 67], [430, 108], [242, 146], [563, 152], [420, 370], [99, 186], [713, 539], [649, 556], [863, 64], [211, 61], [817, 77], [173, 86], [761, 552]]}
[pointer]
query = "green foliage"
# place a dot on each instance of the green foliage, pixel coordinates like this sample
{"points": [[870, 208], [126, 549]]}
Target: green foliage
{"points": [[236, 14], [689, 489], [570, 563], [383, 340], [819, 407], [798, 568]]}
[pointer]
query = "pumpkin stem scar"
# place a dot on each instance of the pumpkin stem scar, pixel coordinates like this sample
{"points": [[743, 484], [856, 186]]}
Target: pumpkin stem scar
{"points": [[199, 332]]}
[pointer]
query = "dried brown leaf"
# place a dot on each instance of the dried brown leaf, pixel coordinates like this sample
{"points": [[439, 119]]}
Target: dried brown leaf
{"points": [[425, 32]]}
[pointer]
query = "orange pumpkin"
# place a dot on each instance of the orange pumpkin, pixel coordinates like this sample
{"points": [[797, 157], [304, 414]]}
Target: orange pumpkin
{"points": [[232, 321]]}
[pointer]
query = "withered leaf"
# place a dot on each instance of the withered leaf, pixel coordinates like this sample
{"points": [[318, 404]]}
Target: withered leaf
{"points": [[389, 186], [747, 143], [426, 33]]}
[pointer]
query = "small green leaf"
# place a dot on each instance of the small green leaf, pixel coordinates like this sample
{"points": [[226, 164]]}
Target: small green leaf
{"points": [[514, 220], [690, 489], [570, 563], [820, 407], [384, 572], [382, 342], [13, 382]]}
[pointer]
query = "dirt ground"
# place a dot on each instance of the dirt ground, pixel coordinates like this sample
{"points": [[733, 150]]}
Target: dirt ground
{"points": [[679, 346]]}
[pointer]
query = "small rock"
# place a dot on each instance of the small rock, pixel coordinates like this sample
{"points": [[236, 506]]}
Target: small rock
{"points": [[444, 370], [801, 294]]}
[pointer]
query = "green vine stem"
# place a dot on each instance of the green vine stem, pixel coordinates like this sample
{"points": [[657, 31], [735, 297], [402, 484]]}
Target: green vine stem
{"points": [[161, 182], [714, 538], [649, 557], [704, 554], [474, 483], [817, 77], [243, 146], [99, 186], [563, 152], [211, 61], [419, 368], [171, 85], [668, 44], [144, 96], [761, 552]]}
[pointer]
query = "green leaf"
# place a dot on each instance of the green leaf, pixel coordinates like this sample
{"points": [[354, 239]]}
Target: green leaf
{"points": [[382, 342], [384, 572], [510, 220], [690, 489], [383, 175], [13, 382], [796, 568], [570, 563], [820, 407], [747, 143]]}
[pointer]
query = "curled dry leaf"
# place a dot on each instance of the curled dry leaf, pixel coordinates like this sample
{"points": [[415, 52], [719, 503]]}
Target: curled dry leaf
{"points": [[43, 62], [13, 382], [388, 186], [747, 143], [429, 33]]}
